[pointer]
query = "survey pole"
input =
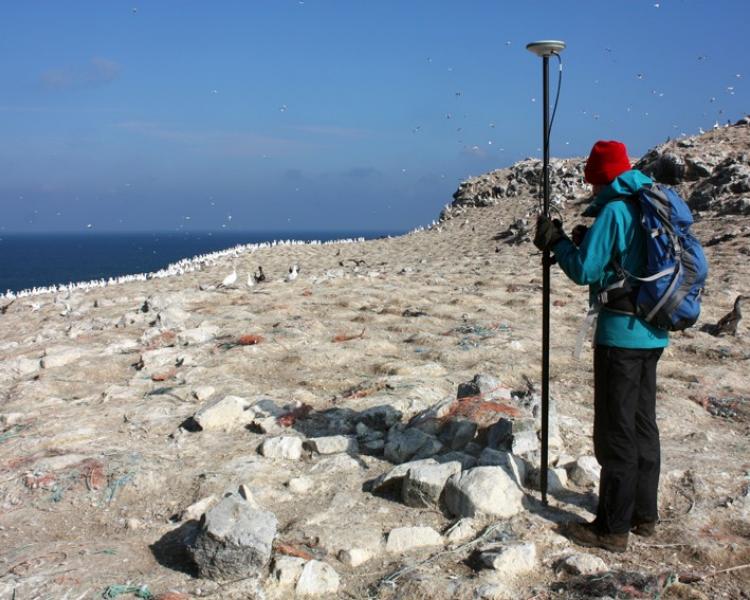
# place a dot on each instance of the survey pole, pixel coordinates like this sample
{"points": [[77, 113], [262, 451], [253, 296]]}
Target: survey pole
{"points": [[545, 49]]}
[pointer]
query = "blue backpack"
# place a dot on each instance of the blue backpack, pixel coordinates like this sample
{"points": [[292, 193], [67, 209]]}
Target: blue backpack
{"points": [[668, 296]]}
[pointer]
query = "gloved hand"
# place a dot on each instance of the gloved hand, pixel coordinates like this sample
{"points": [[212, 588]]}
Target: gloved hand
{"points": [[548, 232], [579, 232]]}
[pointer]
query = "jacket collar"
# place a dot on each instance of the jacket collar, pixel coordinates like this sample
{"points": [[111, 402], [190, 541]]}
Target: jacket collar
{"points": [[626, 184]]}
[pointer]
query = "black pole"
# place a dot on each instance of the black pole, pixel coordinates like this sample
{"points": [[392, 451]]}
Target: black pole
{"points": [[545, 293]]}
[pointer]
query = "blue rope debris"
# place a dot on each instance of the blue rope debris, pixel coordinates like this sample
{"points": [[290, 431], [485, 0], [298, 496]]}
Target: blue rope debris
{"points": [[113, 591], [112, 488], [474, 334]]}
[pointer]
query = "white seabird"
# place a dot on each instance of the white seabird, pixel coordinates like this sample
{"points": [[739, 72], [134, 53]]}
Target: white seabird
{"points": [[293, 272], [230, 279]]}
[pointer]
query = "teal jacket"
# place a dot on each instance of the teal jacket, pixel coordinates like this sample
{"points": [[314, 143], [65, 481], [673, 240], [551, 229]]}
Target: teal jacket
{"points": [[616, 233]]}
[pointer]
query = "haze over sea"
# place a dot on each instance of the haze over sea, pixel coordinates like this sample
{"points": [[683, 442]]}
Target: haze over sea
{"points": [[34, 260]]}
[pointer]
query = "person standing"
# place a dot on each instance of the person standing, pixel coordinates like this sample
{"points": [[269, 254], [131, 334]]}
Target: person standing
{"points": [[626, 348]]}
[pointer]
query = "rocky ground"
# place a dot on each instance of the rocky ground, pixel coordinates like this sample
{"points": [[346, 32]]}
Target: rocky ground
{"points": [[368, 430]]}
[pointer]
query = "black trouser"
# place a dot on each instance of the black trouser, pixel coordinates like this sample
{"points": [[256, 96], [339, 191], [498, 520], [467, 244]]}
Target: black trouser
{"points": [[626, 438]]}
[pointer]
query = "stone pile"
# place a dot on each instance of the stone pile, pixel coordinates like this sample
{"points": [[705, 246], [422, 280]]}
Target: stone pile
{"points": [[713, 176], [523, 179], [711, 171], [472, 455], [234, 541], [471, 458]]}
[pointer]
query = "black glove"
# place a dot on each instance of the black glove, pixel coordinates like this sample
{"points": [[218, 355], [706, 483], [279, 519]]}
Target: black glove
{"points": [[578, 234], [548, 232]]}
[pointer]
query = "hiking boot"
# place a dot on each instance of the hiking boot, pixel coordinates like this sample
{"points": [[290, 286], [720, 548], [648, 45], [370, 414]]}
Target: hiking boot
{"points": [[644, 529], [587, 534]]}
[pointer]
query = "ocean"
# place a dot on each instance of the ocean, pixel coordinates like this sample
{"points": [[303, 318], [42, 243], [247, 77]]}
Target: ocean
{"points": [[36, 260]]}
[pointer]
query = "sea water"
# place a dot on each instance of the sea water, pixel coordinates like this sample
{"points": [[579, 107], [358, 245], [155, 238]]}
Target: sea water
{"points": [[34, 260]]}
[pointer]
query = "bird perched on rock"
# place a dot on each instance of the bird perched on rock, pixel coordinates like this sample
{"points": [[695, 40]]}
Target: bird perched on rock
{"points": [[260, 275], [293, 272], [728, 323], [230, 279]]}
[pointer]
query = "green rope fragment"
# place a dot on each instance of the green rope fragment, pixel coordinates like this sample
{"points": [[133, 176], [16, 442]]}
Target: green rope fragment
{"points": [[12, 432], [113, 591]]}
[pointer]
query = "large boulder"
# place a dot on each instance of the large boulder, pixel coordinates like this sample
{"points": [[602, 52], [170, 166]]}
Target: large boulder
{"points": [[222, 414], [585, 471], [234, 541], [285, 447], [423, 484], [405, 539], [411, 443], [483, 491], [511, 561], [332, 444], [317, 579]]}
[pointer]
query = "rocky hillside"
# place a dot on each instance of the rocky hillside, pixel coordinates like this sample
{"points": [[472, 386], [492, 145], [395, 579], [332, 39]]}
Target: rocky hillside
{"points": [[711, 171]]}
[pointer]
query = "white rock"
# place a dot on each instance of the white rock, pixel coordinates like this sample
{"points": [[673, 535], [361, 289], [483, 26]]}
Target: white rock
{"points": [[510, 561], [500, 458], [404, 539], [196, 510], [353, 557], [557, 480], [494, 591], [423, 484], [203, 392], [461, 531], [287, 570], [300, 485], [287, 447], [165, 358], [25, 366], [122, 346], [490, 491], [10, 419], [223, 413], [197, 335], [269, 425], [394, 477], [332, 444], [585, 471], [336, 463], [581, 563], [58, 463], [247, 495], [172, 317], [59, 356], [317, 579]]}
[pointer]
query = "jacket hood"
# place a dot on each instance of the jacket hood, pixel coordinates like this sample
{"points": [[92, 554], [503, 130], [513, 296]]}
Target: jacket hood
{"points": [[626, 184]]}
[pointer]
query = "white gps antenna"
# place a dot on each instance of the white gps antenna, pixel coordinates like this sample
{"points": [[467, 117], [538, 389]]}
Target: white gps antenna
{"points": [[545, 49]]}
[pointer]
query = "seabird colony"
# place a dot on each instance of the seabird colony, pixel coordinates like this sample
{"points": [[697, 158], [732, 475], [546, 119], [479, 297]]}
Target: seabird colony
{"points": [[181, 267]]}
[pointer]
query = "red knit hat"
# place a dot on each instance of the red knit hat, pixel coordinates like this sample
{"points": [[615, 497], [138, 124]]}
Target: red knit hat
{"points": [[606, 161]]}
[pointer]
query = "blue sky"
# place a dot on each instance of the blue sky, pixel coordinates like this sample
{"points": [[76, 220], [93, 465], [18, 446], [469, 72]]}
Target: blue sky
{"points": [[329, 114]]}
